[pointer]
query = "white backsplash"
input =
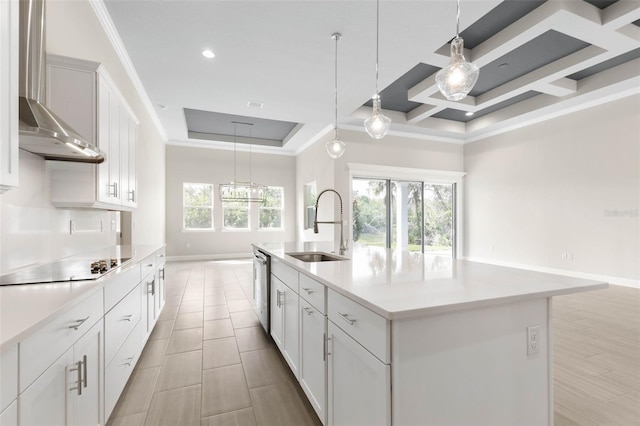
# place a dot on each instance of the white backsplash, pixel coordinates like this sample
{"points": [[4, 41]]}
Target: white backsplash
{"points": [[34, 231]]}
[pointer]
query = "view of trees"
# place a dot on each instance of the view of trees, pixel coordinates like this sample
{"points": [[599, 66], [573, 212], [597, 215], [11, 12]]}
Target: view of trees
{"points": [[235, 214], [198, 206], [370, 218], [271, 210]]}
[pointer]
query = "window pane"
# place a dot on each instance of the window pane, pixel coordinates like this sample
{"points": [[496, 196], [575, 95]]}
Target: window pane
{"points": [[198, 194], [438, 219], [406, 214], [236, 217], [369, 212], [270, 218], [198, 218], [273, 197]]}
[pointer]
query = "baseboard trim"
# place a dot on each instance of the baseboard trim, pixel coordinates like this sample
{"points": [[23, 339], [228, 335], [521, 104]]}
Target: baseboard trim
{"points": [[575, 274], [193, 257]]}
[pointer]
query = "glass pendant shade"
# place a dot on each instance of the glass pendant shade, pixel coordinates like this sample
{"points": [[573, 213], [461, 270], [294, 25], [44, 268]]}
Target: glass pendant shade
{"points": [[243, 191], [378, 124], [457, 79], [335, 147]]}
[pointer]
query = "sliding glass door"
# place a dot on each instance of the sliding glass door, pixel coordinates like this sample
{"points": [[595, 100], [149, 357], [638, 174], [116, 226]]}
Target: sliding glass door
{"points": [[410, 215]]}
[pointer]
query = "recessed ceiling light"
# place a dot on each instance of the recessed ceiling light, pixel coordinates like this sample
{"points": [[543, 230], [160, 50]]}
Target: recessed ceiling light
{"points": [[208, 54], [255, 104], [503, 66], [162, 107], [469, 113]]}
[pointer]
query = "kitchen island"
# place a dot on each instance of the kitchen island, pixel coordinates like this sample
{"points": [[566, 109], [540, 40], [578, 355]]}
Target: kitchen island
{"points": [[413, 339]]}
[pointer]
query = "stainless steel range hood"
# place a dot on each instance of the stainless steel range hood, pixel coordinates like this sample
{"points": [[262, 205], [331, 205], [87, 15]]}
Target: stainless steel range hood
{"points": [[41, 131]]}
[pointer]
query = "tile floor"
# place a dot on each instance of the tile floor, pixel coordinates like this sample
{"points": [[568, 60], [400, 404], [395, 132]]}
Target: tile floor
{"points": [[208, 361]]}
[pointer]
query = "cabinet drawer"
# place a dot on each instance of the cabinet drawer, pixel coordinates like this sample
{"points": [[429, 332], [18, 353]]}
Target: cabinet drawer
{"points": [[119, 322], [8, 377], [285, 273], [365, 326], [42, 348], [118, 372], [120, 285], [313, 292], [148, 265]]}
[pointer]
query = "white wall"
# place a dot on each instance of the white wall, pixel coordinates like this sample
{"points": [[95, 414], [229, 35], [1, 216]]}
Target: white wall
{"points": [[315, 164], [32, 230], [568, 185], [199, 165]]}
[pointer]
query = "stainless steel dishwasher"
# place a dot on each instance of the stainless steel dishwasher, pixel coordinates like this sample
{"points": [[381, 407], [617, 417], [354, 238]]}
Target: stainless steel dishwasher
{"points": [[261, 290]]}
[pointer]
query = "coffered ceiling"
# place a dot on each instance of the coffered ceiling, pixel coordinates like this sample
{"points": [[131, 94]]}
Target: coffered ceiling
{"points": [[538, 60]]}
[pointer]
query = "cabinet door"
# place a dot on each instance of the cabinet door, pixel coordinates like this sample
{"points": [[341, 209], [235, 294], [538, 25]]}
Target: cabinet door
{"points": [[86, 404], [9, 417], [133, 165], [313, 366], [151, 302], [104, 131], [8, 95], [277, 312], [359, 385], [113, 156], [159, 296], [289, 301], [124, 190], [46, 401]]}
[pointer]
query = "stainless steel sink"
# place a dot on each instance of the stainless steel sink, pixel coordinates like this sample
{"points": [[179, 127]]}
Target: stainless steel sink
{"points": [[315, 256]]}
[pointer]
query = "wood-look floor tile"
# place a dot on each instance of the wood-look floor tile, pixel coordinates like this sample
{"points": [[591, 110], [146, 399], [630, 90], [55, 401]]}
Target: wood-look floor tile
{"points": [[244, 417], [153, 353], [219, 353], [224, 389], [136, 396], [162, 329], [252, 338], [263, 367], [215, 300], [179, 370], [191, 306], [217, 329], [185, 340], [244, 319], [188, 320], [173, 300], [169, 313], [235, 295], [176, 407], [210, 291], [280, 404], [239, 305], [215, 312], [130, 420]]}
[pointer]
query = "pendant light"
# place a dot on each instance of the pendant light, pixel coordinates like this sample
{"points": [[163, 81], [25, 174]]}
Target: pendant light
{"points": [[242, 191], [335, 147], [457, 79], [378, 124]]}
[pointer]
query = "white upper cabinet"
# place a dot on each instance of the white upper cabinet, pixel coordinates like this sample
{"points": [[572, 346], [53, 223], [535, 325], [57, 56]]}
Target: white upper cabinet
{"points": [[82, 93], [8, 95]]}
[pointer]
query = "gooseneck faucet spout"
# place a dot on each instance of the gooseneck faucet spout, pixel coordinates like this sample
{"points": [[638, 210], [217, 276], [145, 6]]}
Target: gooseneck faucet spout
{"points": [[343, 245]]}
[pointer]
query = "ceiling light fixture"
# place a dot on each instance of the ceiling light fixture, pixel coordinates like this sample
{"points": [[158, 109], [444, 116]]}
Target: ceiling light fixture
{"points": [[469, 113], [378, 124], [207, 53], [242, 191], [335, 147], [457, 79]]}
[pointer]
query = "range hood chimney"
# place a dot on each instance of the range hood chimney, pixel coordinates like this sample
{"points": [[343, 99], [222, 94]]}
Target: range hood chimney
{"points": [[41, 131]]}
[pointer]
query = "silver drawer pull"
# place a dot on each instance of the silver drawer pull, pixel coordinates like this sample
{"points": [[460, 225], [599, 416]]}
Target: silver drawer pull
{"points": [[84, 370], [128, 361], [346, 318], [78, 323], [127, 317], [307, 310], [79, 370], [308, 290], [150, 265]]}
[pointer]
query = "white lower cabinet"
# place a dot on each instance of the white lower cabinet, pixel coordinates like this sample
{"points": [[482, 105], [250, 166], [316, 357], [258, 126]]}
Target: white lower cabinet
{"points": [[359, 384], [284, 319], [69, 391], [9, 417], [313, 366], [118, 371]]}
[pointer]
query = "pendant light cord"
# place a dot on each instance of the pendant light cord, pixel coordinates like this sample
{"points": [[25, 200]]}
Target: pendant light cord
{"points": [[250, 180], [336, 37], [235, 161], [458, 21], [378, 40]]}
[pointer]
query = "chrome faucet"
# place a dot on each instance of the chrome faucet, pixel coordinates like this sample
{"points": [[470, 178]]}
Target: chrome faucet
{"points": [[343, 245]]}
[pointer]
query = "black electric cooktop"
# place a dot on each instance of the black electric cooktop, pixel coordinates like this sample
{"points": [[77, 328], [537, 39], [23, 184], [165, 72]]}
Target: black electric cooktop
{"points": [[62, 271]]}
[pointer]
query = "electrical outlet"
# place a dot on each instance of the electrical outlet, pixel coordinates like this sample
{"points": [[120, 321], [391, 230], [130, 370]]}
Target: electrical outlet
{"points": [[533, 340], [113, 225]]}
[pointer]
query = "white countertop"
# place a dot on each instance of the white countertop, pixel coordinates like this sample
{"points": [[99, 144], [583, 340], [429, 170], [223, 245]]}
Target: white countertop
{"points": [[397, 284], [25, 308]]}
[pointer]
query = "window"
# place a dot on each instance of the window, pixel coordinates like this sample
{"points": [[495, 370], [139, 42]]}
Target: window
{"points": [[197, 206], [271, 209], [235, 214]]}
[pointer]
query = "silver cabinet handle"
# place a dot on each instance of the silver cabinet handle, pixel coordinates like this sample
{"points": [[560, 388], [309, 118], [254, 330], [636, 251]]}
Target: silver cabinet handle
{"points": [[127, 317], [132, 195], [153, 287], [278, 298], [324, 347], [114, 185], [128, 361], [162, 273], [346, 318], [327, 348], [307, 310], [84, 370], [150, 265], [79, 370], [308, 290], [78, 323]]}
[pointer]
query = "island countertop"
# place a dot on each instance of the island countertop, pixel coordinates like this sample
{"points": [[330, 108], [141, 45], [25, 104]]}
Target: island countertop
{"points": [[400, 284]]}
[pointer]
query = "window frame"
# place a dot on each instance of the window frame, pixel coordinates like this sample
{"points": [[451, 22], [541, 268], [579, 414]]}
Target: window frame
{"points": [[225, 228], [281, 209], [184, 206]]}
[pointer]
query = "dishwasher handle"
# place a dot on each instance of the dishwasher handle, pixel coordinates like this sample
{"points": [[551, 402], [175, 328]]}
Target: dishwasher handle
{"points": [[260, 258]]}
